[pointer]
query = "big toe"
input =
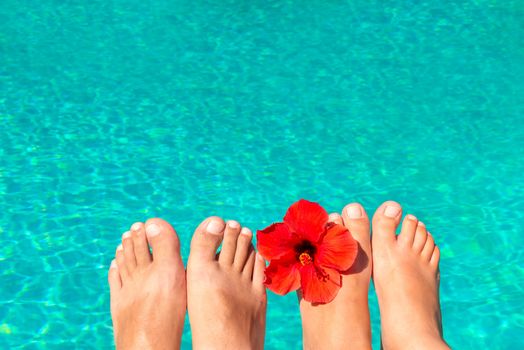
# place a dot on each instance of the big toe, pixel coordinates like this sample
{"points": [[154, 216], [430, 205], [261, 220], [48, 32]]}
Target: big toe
{"points": [[356, 220], [385, 222], [207, 239], [163, 240]]}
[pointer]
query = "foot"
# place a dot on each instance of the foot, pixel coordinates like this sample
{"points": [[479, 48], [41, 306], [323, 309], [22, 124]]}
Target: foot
{"points": [[406, 278], [344, 322], [226, 293], [148, 291]]}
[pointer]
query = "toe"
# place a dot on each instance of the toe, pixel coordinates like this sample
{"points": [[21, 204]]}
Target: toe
{"points": [[385, 222], [141, 248], [421, 236], [243, 249], [121, 264], [247, 272], [258, 274], [336, 218], [163, 240], [407, 233], [113, 277], [129, 251], [357, 221], [207, 239], [435, 258], [229, 245], [429, 247]]}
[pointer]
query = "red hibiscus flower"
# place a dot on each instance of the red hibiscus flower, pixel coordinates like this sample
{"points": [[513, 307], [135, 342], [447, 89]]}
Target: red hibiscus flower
{"points": [[307, 252]]}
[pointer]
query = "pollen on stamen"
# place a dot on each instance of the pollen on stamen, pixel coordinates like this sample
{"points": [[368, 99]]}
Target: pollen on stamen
{"points": [[305, 259]]}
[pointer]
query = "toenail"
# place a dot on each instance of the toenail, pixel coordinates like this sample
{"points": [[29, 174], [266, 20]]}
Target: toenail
{"points": [[119, 247], [334, 217], [113, 264], [215, 227], [354, 211], [126, 234], [152, 230], [420, 223], [245, 231], [411, 217], [136, 226], [233, 224], [391, 211]]}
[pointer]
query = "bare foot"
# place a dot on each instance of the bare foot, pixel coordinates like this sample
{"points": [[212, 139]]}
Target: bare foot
{"points": [[406, 277], [226, 294], [344, 323], [148, 292]]}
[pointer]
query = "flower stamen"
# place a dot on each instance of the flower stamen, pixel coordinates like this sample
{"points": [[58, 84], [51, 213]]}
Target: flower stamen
{"points": [[305, 259]]}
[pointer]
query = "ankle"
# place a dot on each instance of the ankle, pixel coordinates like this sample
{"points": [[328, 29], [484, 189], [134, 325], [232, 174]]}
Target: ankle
{"points": [[420, 341], [357, 340], [428, 342], [359, 344]]}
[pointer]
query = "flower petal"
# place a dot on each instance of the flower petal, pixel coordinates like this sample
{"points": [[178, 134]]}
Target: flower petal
{"points": [[275, 241], [338, 249], [307, 219], [319, 285], [282, 276]]}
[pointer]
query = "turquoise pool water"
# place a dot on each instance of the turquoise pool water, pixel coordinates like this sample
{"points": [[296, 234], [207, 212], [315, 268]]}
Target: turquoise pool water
{"points": [[115, 111]]}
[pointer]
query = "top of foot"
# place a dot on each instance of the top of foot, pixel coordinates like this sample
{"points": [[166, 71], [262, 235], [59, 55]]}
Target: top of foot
{"points": [[406, 278], [345, 320], [148, 291], [226, 294]]}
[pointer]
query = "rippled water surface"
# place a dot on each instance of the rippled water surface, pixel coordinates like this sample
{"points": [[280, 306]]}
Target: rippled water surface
{"points": [[115, 111]]}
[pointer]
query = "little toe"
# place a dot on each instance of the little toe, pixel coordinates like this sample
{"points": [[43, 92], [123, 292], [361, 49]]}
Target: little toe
{"points": [[121, 264], [113, 277], [229, 245], [435, 258], [247, 272], [243, 248], [385, 222], [207, 239], [163, 240], [429, 247], [407, 232], [258, 274], [140, 245], [129, 251], [421, 236]]}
